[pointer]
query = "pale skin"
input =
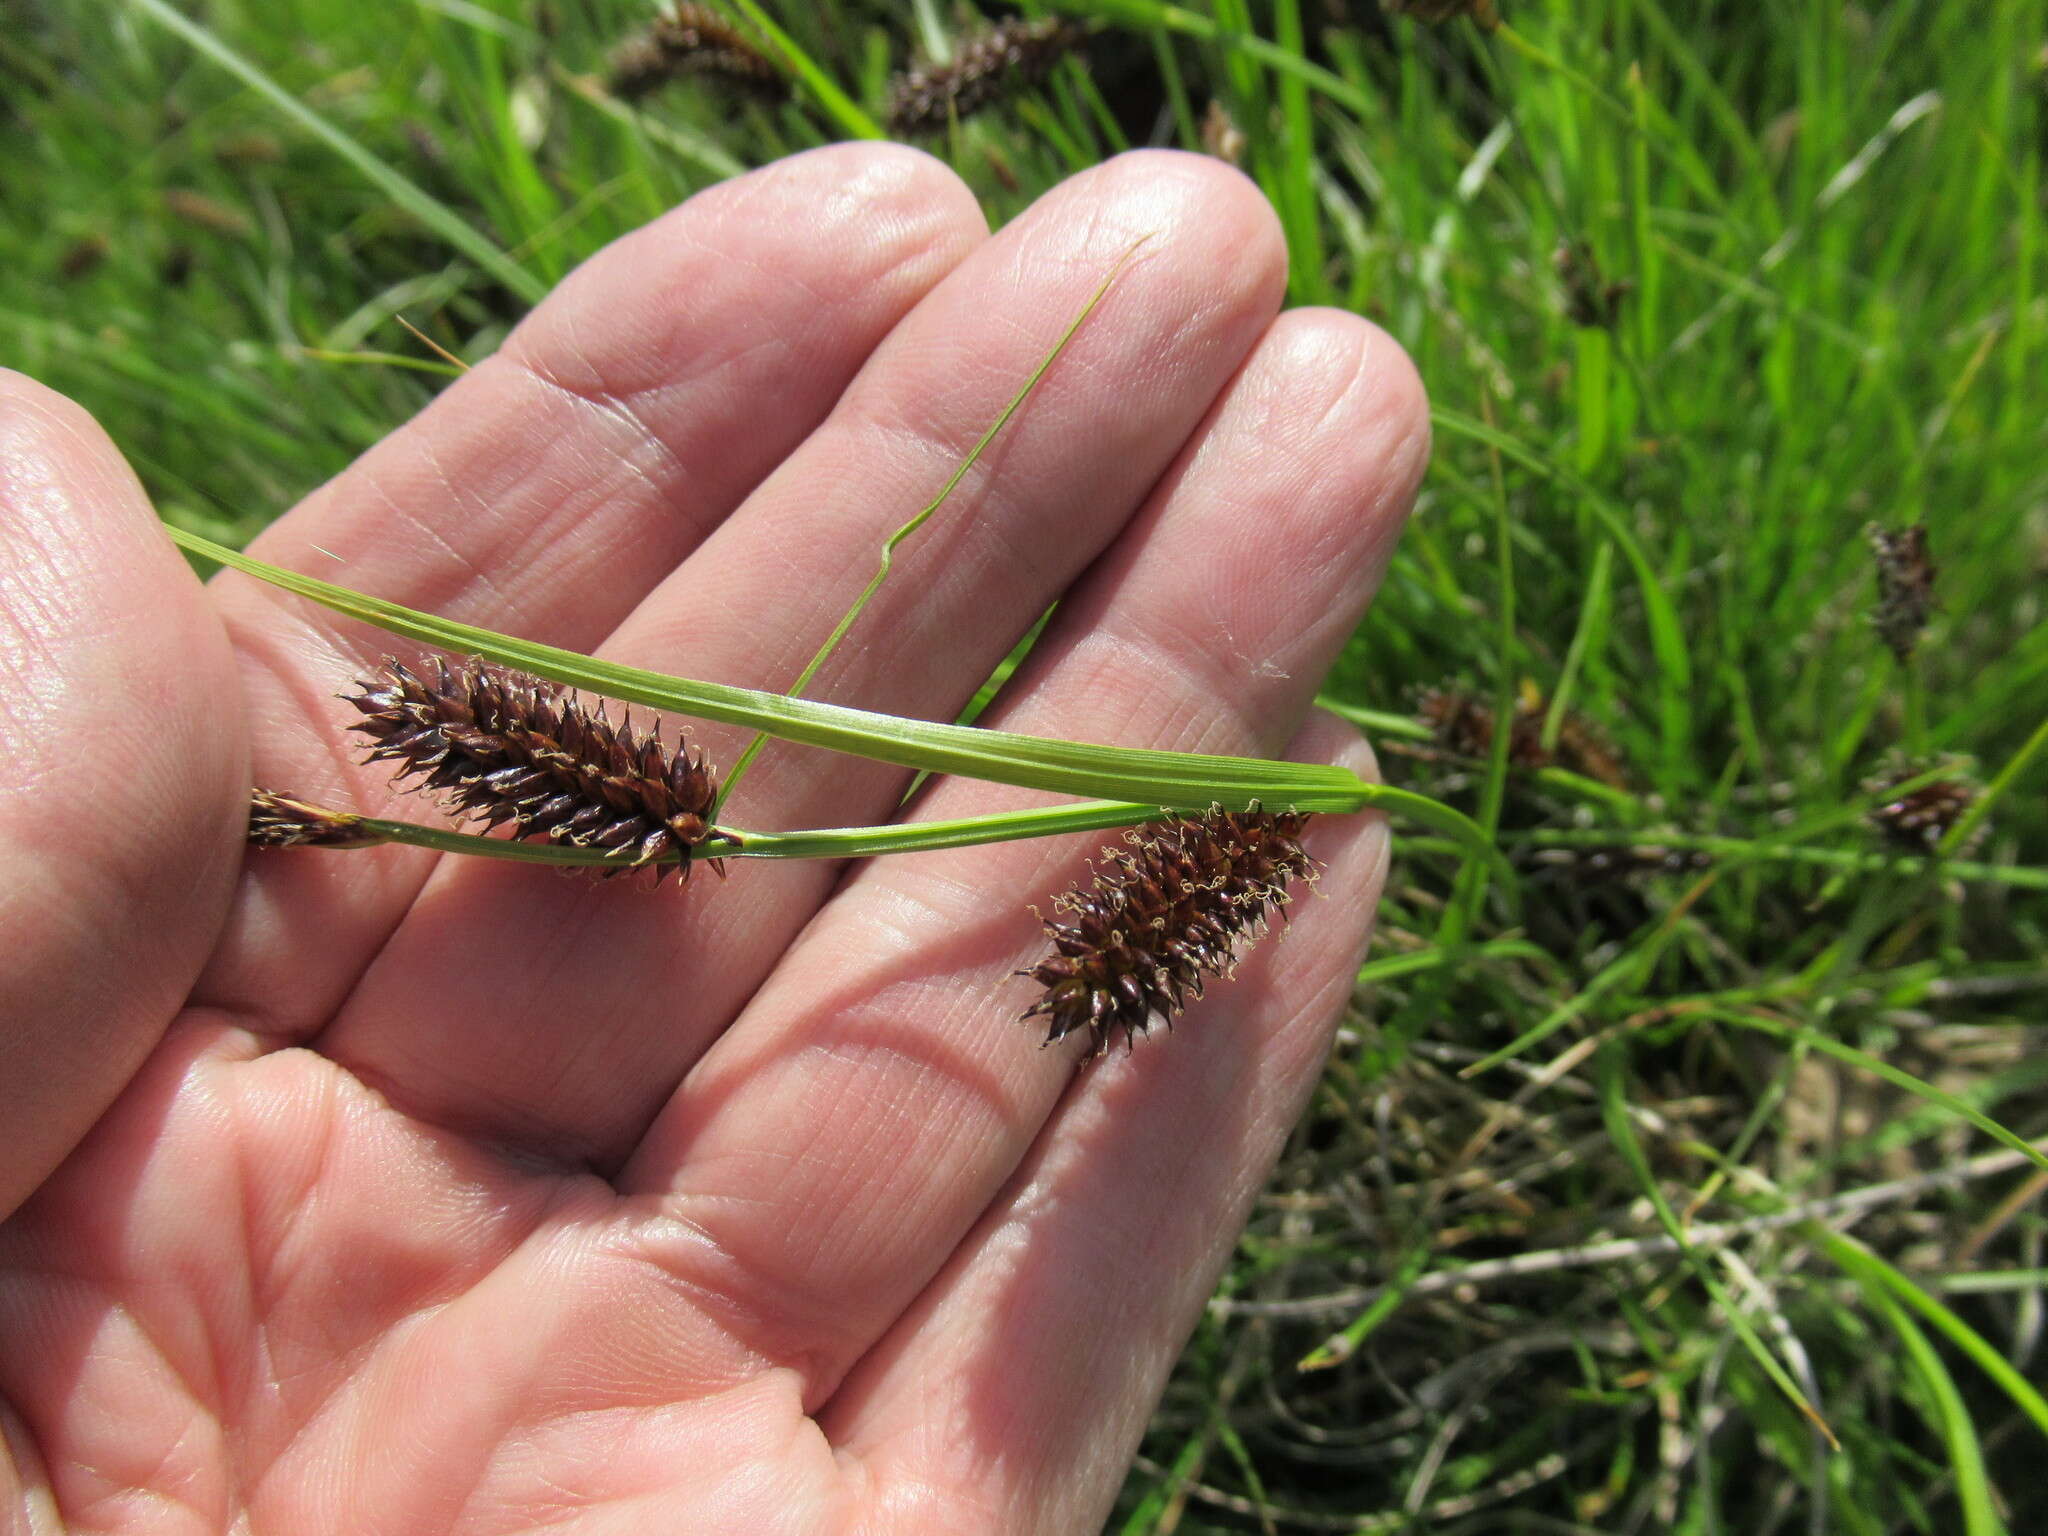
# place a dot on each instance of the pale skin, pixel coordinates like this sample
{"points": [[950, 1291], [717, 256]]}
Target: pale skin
{"points": [[387, 1193]]}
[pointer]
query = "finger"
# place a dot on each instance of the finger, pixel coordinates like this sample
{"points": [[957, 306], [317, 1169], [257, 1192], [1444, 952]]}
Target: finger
{"points": [[1095, 1261], [602, 997], [122, 790], [551, 487], [849, 1130]]}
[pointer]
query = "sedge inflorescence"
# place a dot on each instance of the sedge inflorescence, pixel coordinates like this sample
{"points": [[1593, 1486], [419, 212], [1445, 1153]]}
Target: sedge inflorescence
{"points": [[506, 747], [1163, 914], [692, 40], [279, 820], [1010, 56], [1920, 819], [1905, 586]]}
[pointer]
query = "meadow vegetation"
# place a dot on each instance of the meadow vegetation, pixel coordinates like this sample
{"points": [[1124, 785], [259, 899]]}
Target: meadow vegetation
{"points": [[1678, 1186]]}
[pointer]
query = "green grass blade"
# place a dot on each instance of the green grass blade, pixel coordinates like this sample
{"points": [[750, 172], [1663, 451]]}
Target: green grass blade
{"points": [[1951, 1416], [1008, 826], [1298, 204], [1614, 1112], [822, 843], [414, 200], [1593, 610], [1667, 634], [926, 836], [1343, 1344], [1390, 967], [1175, 780], [402, 360], [839, 106], [1871, 1271], [1152, 1509], [1462, 914], [1863, 1061], [1379, 721], [1607, 981], [1973, 818], [729, 842], [924, 513]]}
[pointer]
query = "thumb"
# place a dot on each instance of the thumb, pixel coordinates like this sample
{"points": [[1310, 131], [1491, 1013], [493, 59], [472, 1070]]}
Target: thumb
{"points": [[123, 785]]}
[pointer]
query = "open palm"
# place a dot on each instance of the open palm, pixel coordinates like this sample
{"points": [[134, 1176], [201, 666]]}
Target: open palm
{"points": [[376, 1192]]}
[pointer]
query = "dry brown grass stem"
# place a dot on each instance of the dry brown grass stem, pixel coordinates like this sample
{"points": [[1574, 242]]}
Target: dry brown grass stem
{"points": [[1702, 1235]]}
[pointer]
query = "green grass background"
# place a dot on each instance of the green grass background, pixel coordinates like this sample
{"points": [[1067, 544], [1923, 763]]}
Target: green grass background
{"points": [[1747, 1148]]}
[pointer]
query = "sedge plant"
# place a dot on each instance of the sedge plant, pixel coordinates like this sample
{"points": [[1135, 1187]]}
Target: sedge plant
{"points": [[1129, 785], [509, 746]]}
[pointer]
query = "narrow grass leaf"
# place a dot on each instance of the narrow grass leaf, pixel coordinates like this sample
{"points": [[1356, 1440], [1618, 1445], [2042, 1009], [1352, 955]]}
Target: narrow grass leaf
{"points": [[1959, 834], [1343, 1344], [1171, 780], [1870, 1271], [924, 513], [1667, 635], [1849, 1055], [1951, 1414], [1614, 1112], [837, 105], [436, 215], [1392, 967]]}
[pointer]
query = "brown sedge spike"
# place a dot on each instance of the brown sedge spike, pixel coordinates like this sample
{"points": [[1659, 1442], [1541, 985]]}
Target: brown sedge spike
{"points": [[1919, 820], [1161, 916], [1905, 585], [506, 747], [278, 820], [692, 40], [83, 256], [1014, 54], [1462, 724], [208, 213], [1590, 301]]}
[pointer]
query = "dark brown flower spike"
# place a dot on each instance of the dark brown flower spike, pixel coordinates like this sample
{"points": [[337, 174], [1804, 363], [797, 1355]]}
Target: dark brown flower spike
{"points": [[693, 40], [1920, 819], [510, 748], [83, 256], [1016, 53], [1590, 301], [278, 820], [1905, 586], [1164, 914], [1462, 723]]}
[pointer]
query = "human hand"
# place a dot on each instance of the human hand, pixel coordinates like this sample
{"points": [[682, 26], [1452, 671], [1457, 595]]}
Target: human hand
{"points": [[377, 1192]]}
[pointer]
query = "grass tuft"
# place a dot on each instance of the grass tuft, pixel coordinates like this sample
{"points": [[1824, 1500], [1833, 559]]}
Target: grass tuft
{"points": [[1701, 295]]}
